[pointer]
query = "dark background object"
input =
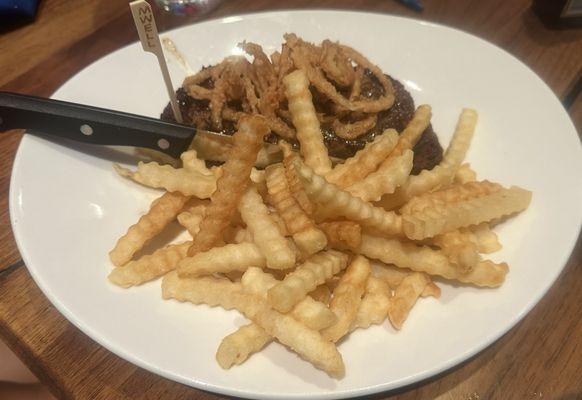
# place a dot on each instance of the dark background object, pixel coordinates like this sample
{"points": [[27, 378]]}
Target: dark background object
{"points": [[559, 13], [14, 13]]}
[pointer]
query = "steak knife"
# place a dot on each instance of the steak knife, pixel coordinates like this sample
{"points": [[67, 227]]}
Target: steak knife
{"points": [[95, 125]]}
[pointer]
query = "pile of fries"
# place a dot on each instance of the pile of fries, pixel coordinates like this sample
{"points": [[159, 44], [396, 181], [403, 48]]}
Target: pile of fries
{"points": [[309, 251]]}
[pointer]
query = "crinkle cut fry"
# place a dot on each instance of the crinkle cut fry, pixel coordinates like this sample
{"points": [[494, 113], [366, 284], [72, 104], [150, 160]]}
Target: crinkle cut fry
{"points": [[306, 235], [433, 262], [265, 232], [374, 305], [322, 293], [342, 234], [236, 348], [448, 195], [413, 131], [231, 257], [340, 203], [306, 122], [149, 267], [485, 239], [191, 162], [405, 296], [433, 221], [385, 180], [313, 314], [347, 297], [187, 182], [232, 184], [364, 161], [394, 276], [459, 248], [465, 174], [309, 344], [191, 218], [297, 284], [295, 185], [442, 174], [162, 211]]}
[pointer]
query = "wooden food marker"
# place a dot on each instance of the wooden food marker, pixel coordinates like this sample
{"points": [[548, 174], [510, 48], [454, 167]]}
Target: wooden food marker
{"points": [[143, 17]]}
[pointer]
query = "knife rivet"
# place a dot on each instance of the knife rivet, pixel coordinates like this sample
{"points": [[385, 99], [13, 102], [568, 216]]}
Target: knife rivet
{"points": [[86, 130], [163, 144]]}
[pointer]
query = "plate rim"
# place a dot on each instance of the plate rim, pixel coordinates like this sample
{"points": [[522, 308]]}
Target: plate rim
{"points": [[387, 388]]}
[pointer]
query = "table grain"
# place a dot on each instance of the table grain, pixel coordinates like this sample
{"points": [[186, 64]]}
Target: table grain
{"points": [[541, 358]]}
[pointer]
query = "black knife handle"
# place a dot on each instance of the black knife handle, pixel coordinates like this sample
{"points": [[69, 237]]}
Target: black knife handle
{"points": [[92, 124]]}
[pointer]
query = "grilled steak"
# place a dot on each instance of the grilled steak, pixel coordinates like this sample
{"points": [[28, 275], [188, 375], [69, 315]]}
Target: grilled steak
{"points": [[427, 152]]}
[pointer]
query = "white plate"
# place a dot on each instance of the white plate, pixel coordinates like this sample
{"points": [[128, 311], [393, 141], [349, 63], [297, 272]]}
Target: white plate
{"points": [[68, 208]]}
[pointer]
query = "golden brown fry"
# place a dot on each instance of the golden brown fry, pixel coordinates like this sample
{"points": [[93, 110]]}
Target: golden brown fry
{"points": [[385, 180], [340, 203], [433, 221], [280, 222], [235, 348], [231, 257], [187, 182], [433, 262], [218, 148], [431, 290], [315, 271], [405, 296], [232, 184], [451, 194], [459, 248], [306, 235], [455, 153], [191, 162], [308, 343], [393, 276], [309, 241], [306, 122], [211, 148], [485, 239], [347, 297], [465, 174], [145, 154], [390, 274], [342, 234], [313, 314], [191, 218], [364, 161], [162, 211], [321, 294], [241, 235], [442, 174], [149, 267], [374, 305], [295, 185], [413, 131], [265, 232], [238, 346]]}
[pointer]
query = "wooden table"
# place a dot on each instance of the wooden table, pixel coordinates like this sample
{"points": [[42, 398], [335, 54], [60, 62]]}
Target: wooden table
{"points": [[540, 358]]}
